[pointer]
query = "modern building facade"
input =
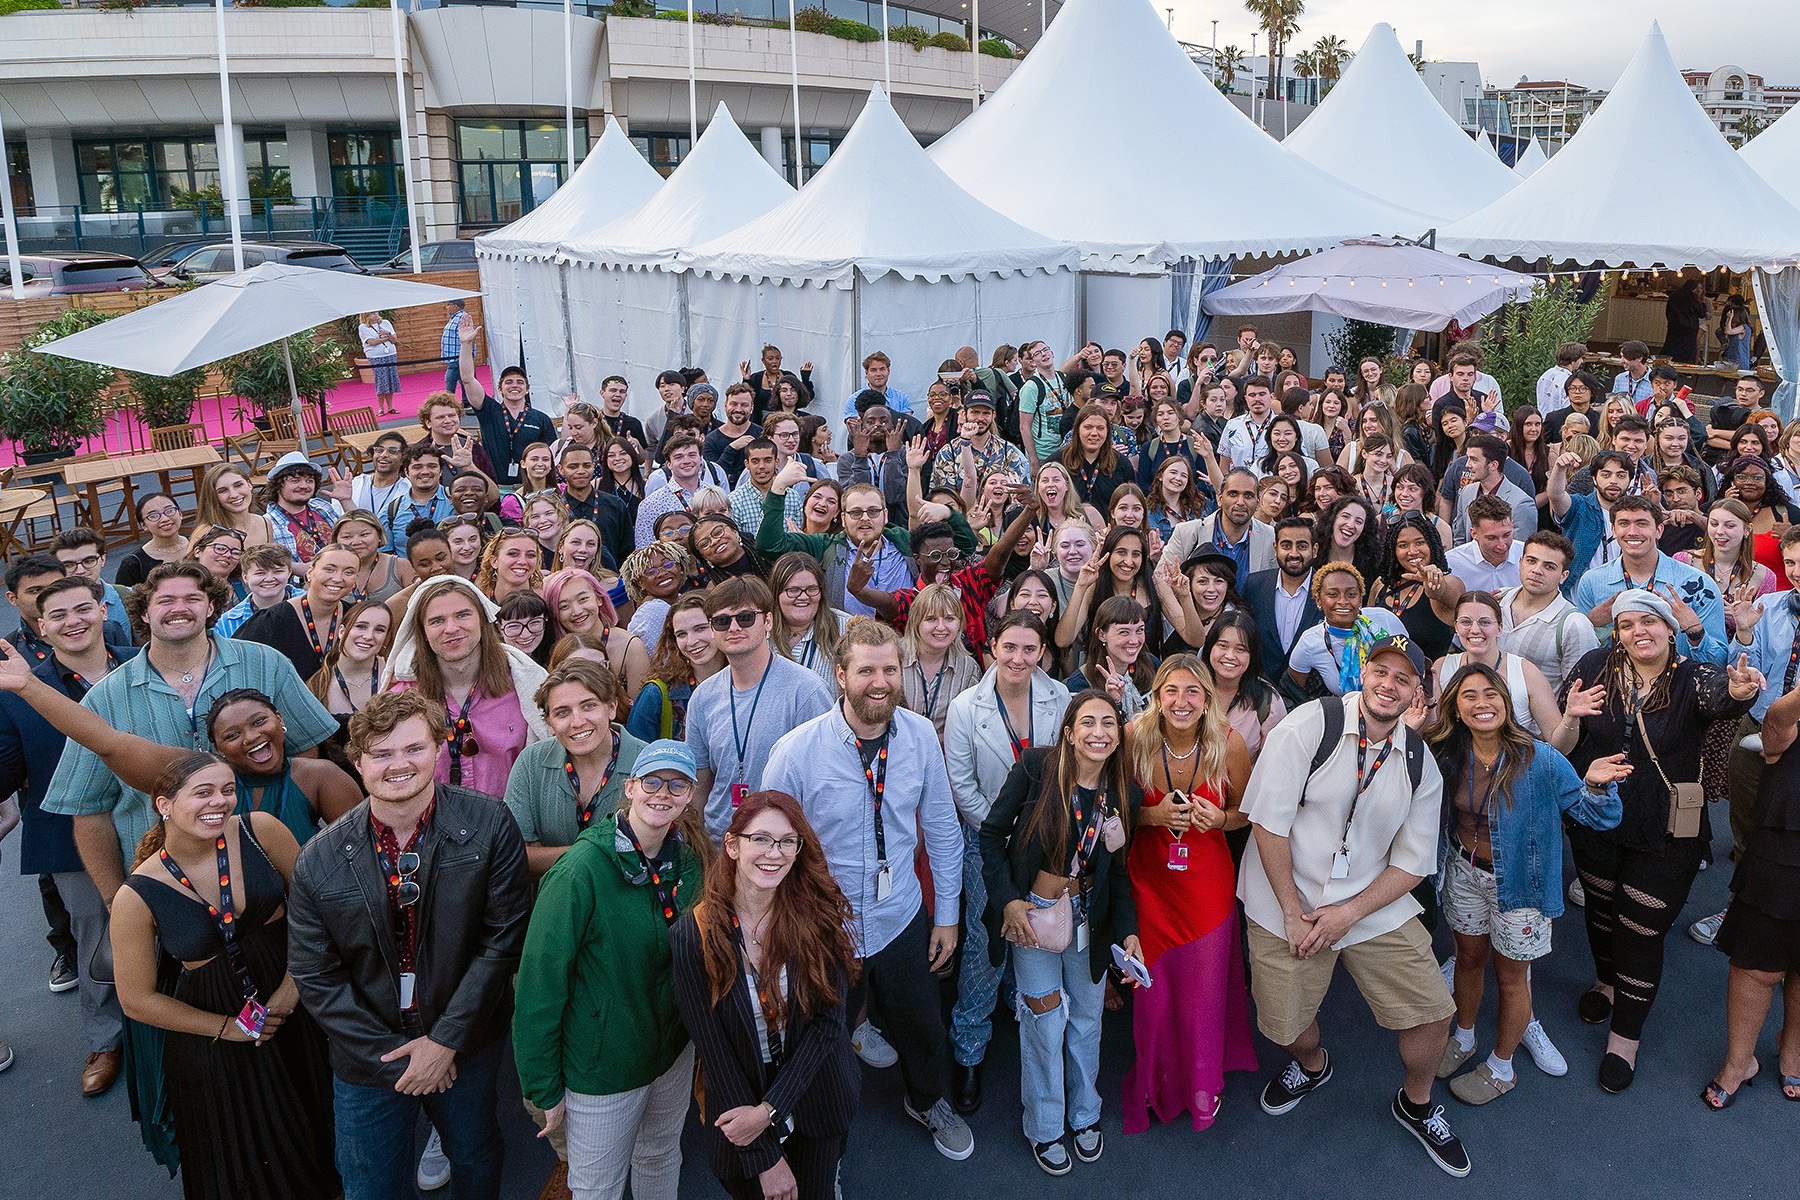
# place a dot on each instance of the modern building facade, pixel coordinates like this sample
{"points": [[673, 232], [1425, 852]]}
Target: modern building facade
{"points": [[113, 119], [1550, 110], [1733, 100]]}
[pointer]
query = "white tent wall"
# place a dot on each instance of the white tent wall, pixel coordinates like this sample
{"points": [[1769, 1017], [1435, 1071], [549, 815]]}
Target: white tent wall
{"points": [[541, 308], [596, 339], [628, 323], [1120, 310], [500, 305], [730, 320], [1019, 308]]}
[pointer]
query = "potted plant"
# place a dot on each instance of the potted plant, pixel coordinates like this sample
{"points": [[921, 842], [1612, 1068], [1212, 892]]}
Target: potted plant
{"points": [[165, 400], [260, 375], [49, 404]]}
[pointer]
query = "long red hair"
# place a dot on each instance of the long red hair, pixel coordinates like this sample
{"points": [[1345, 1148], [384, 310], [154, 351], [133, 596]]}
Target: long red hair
{"points": [[809, 926]]}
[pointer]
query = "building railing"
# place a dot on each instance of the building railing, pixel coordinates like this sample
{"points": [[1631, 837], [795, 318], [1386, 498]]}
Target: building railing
{"points": [[372, 227]]}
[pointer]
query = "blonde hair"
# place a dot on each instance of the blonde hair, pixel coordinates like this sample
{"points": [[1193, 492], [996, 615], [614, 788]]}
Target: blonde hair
{"points": [[933, 600], [1145, 732], [485, 575], [1071, 507], [1581, 446], [709, 500]]}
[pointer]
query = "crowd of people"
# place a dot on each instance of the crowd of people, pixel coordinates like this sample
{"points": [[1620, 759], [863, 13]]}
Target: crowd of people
{"points": [[696, 759]]}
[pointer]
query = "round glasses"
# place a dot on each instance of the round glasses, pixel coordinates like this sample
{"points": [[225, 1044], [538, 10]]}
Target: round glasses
{"points": [[513, 629], [762, 843]]}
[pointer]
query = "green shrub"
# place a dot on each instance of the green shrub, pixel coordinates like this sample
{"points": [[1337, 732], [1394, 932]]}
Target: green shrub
{"points": [[634, 8], [166, 400], [853, 31], [13, 6], [47, 402], [912, 35], [1519, 342], [260, 376], [996, 48], [1356, 341], [811, 19], [949, 41]]}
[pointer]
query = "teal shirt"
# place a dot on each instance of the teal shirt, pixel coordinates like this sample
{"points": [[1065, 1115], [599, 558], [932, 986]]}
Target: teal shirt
{"points": [[537, 791], [284, 800]]}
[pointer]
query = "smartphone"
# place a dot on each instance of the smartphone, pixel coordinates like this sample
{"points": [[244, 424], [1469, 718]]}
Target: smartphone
{"points": [[1132, 968]]}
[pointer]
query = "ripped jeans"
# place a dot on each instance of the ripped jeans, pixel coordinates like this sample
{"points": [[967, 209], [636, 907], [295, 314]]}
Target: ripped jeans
{"points": [[1059, 1050]]}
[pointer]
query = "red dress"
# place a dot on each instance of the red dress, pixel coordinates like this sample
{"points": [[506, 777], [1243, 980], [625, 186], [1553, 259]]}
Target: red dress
{"points": [[1193, 1023]]}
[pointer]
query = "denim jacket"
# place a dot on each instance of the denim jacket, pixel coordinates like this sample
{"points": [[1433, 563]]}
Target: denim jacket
{"points": [[1583, 524], [1527, 835]]}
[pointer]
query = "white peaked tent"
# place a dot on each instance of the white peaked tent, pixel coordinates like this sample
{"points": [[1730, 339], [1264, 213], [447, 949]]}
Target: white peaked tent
{"points": [[1380, 126], [1533, 158], [1592, 204], [1775, 155], [880, 250], [1486, 142], [626, 317], [1179, 191], [521, 281]]}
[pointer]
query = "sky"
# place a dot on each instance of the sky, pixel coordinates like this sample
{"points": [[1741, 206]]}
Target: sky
{"points": [[1584, 41]]}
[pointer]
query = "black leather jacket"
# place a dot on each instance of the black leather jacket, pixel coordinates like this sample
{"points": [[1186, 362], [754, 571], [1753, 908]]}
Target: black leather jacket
{"points": [[475, 902]]}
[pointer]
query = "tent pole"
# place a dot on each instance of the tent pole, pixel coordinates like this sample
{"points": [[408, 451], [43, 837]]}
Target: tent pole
{"points": [[287, 361]]}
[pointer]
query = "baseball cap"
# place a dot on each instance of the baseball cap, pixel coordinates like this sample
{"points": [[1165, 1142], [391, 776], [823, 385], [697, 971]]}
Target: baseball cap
{"points": [[978, 400], [1397, 643], [665, 754]]}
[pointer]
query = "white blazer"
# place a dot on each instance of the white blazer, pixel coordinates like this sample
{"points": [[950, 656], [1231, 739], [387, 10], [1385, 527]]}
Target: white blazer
{"points": [[977, 749]]}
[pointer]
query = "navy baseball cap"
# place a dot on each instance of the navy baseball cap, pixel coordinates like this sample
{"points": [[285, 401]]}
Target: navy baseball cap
{"points": [[1399, 643]]}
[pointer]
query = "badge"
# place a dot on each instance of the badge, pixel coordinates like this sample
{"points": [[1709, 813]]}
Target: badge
{"points": [[1178, 856], [1081, 936], [407, 981], [251, 1019], [884, 883], [739, 792], [1340, 865]]}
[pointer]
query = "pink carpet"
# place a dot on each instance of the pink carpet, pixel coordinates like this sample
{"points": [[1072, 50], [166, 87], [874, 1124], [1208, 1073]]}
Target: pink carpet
{"points": [[125, 434]]}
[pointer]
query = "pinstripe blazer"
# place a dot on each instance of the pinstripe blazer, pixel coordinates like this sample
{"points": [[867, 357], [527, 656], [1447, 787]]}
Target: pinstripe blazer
{"points": [[816, 1086]]}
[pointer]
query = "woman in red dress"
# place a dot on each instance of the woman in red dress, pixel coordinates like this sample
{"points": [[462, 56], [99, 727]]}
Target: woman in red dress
{"points": [[1193, 1023]]}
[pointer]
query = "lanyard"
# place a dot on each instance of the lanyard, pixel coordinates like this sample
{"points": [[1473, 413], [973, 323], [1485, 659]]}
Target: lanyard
{"points": [[1089, 823], [405, 917], [193, 709], [1086, 478], [1787, 681], [1362, 781], [513, 424], [669, 898], [83, 686], [306, 523], [741, 741], [875, 771], [374, 679], [222, 914], [461, 737], [312, 628], [937, 684], [771, 1018], [1019, 744], [1169, 774], [584, 809], [430, 511]]}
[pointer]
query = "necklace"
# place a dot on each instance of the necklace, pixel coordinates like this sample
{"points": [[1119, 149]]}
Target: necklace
{"points": [[1192, 750]]}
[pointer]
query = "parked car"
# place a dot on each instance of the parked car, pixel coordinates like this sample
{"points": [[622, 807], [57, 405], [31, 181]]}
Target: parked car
{"points": [[214, 260], [69, 272], [164, 257], [457, 254]]}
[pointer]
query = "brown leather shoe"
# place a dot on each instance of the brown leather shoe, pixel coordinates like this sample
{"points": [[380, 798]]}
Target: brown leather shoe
{"points": [[557, 1187], [101, 1072]]}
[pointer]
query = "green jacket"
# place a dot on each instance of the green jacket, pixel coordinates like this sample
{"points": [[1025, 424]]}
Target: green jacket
{"points": [[595, 1010], [833, 549]]}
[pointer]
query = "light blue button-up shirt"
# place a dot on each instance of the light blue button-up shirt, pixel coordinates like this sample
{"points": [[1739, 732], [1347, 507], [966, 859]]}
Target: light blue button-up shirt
{"points": [[1771, 645], [1693, 585], [817, 763]]}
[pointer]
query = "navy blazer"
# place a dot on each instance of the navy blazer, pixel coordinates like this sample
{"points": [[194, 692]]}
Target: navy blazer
{"points": [[46, 840], [1259, 598]]}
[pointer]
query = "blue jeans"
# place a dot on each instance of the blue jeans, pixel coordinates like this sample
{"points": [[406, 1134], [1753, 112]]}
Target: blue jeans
{"points": [[977, 980], [452, 377], [1059, 1050], [375, 1133]]}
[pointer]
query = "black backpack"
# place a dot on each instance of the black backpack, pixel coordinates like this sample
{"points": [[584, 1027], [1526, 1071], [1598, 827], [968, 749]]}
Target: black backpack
{"points": [[1333, 708]]}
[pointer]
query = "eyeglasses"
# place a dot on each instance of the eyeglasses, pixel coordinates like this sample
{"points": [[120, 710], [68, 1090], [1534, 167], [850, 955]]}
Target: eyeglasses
{"points": [[470, 519], [762, 843], [662, 568], [744, 619], [405, 867], [1476, 623], [513, 629], [939, 556], [84, 564], [225, 548], [812, 592], [675, 532], [865, 514], [161, 514], [654, 785]]}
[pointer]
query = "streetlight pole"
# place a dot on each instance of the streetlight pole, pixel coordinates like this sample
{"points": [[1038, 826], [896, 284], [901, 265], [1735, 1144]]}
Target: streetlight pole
{"points": [[406, 134], [975, 55], [12, 225], [1215, 54], [228, 157], [1253, 88]]}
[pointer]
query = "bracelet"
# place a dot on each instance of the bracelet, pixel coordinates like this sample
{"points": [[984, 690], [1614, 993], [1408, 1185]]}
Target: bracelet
{"points": [[223, 1026]]}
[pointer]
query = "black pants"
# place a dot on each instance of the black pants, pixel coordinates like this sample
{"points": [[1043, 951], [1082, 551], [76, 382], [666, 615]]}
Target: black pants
{"points": [[814, 1162], [61, 936], [1633, 899], [903, 998]]}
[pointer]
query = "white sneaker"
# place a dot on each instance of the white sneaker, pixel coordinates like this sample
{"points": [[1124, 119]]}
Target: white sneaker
{"points": [[1543, 1051], [1706, 929], [1577, 894], [1449, 970], [872, 1048], [434, 1168]]}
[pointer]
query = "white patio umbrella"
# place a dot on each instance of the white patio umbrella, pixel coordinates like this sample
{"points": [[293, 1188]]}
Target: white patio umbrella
{"points": [[1384, 280], [265, 304]]}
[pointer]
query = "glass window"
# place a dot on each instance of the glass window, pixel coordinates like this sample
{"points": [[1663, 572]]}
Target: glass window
{"points": [[18, 166], [507, 168], [122, 175], [364, 162]]}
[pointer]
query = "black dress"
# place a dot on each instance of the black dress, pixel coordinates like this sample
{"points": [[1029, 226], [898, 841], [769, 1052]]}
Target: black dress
{"points": [[1762, 927], [252, 1121], [280, 628], [1422, 623]]}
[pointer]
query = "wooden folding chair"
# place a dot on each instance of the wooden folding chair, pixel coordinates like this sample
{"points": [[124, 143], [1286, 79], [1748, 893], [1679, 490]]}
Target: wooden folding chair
{"points": [[178, 437]]}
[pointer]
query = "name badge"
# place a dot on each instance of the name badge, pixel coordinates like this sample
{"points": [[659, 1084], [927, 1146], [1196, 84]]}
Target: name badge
{"points": [[1178, 856], [884, 883], [1340, 865], [251, 1019], [739, 791], [407, 980], [1081, 936]]}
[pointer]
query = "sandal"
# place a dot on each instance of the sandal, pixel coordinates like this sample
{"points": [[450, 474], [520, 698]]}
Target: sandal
{"points": [[1790, 1087], [1718, 1099]]}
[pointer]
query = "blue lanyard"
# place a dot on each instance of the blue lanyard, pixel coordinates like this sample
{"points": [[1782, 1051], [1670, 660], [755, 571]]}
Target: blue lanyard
{"points": [[741, 741], [193, 713]]}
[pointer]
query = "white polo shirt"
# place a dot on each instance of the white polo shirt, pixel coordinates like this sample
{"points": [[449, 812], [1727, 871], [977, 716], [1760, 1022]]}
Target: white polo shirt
{"points": [[1480, 575]]}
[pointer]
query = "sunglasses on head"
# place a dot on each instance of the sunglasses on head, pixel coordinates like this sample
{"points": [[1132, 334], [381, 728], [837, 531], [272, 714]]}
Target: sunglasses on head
{"points": [[745, 619]]}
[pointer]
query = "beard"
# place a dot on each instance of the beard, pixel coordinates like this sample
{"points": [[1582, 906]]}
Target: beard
{"points": [[873, 711]]}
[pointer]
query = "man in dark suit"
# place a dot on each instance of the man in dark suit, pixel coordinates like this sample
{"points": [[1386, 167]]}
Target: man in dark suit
{"points": [[1281, 600]]}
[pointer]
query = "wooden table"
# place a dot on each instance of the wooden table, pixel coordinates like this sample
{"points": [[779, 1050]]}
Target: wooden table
{"points": [[88, 476], [14, 504]]}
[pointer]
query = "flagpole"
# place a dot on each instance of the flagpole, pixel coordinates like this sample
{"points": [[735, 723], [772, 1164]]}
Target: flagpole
{"points": [[12, 223], [569, 83], [228, 159], [794, 68], [887, 62], [693, 103], [406, 136], [975, 55]]}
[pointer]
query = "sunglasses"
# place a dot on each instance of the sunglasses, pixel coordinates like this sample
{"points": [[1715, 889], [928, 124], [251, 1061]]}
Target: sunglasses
{"points": [[406, 866], [461, 519], [744, 619]]}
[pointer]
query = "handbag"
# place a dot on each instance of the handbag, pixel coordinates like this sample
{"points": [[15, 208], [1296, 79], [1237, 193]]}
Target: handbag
{"points": [[1687, 801], [1053, 927]]}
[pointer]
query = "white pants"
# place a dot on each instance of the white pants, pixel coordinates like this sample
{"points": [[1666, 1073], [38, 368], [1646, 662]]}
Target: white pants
{"points": [[637, 1132]]}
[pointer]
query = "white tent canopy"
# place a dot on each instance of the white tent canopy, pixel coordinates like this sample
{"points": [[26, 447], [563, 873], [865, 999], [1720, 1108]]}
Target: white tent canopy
{"points": [[1381, 127], [1594, 203], [879, 251], [619, 309], [1533, 158], [1110, 74], [523, 285], [1775, 155]]}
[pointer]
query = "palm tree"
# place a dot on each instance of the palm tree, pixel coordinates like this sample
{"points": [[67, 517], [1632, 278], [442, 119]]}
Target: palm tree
{"points": [[1329, 56], [1229, 61], [1306, 65], [1280, 19]]}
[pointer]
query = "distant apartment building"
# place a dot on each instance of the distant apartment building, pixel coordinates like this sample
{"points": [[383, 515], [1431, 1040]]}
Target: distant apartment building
{"points": [[1550, 110], [1729, 95]]}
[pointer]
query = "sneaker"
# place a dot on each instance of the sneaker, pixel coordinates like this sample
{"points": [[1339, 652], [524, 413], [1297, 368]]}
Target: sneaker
{"points": [[1053, 1157], [1433, 1132], [1706, 929], [1480, 1086], [62, 974], [949, 1132], [1543, 1051], [6, 1056], [1454, 1057], [1089, 1143], [872, 1048], [1294, 1084], [1449, 971], [1577, 894], [434, 1168]]}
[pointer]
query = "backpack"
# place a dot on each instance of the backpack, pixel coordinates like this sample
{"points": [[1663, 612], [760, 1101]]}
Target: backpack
{"points": [[1413, 748]]}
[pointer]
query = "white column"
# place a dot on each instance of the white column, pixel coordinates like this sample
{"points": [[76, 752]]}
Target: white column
{"points": [[309, 160], [771, 148], [54, 180]]}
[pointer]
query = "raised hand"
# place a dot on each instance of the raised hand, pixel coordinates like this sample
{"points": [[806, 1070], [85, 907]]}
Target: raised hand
{"points": [[1568, 460], [788, 476], [1603, 771], [1602, 614], [744, 369], [917, 455], [1745, 681], [862, 569], [1585, 702], [1685, 617], [337, 486], [1089, 574], [1746, 609], [15, 673]]}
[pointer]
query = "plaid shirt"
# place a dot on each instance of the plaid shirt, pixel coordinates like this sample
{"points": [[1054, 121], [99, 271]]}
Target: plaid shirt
{"points": [[450, 344], [1000, 455], [976, 588], [747, 507]]}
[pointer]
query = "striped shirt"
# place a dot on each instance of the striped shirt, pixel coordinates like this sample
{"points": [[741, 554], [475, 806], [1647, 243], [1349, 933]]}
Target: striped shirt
{"points": [[135, 697]]}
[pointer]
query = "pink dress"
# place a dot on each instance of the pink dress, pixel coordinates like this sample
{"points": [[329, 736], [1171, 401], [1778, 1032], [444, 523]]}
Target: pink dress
{"points": [[1193, 1023]]}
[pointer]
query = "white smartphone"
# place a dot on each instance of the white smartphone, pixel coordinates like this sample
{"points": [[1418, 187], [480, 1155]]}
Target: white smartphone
{"points": [[1131, 966]]}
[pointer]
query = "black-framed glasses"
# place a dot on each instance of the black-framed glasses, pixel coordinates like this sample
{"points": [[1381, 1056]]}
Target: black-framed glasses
{"points": [[406, 891], [161, 514], [513, 629], [762, 843], [655, 785], [473, 520], [745, 619], [812, 592]]}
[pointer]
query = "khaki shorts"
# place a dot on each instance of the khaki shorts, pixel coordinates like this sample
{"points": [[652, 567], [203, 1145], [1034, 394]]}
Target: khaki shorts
{"points": [[1396, 973], [1471, 902], [559, 1140]]}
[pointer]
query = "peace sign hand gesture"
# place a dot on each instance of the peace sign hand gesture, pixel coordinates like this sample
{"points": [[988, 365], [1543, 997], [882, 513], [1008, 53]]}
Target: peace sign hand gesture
{"points": [[1746, 682]]}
